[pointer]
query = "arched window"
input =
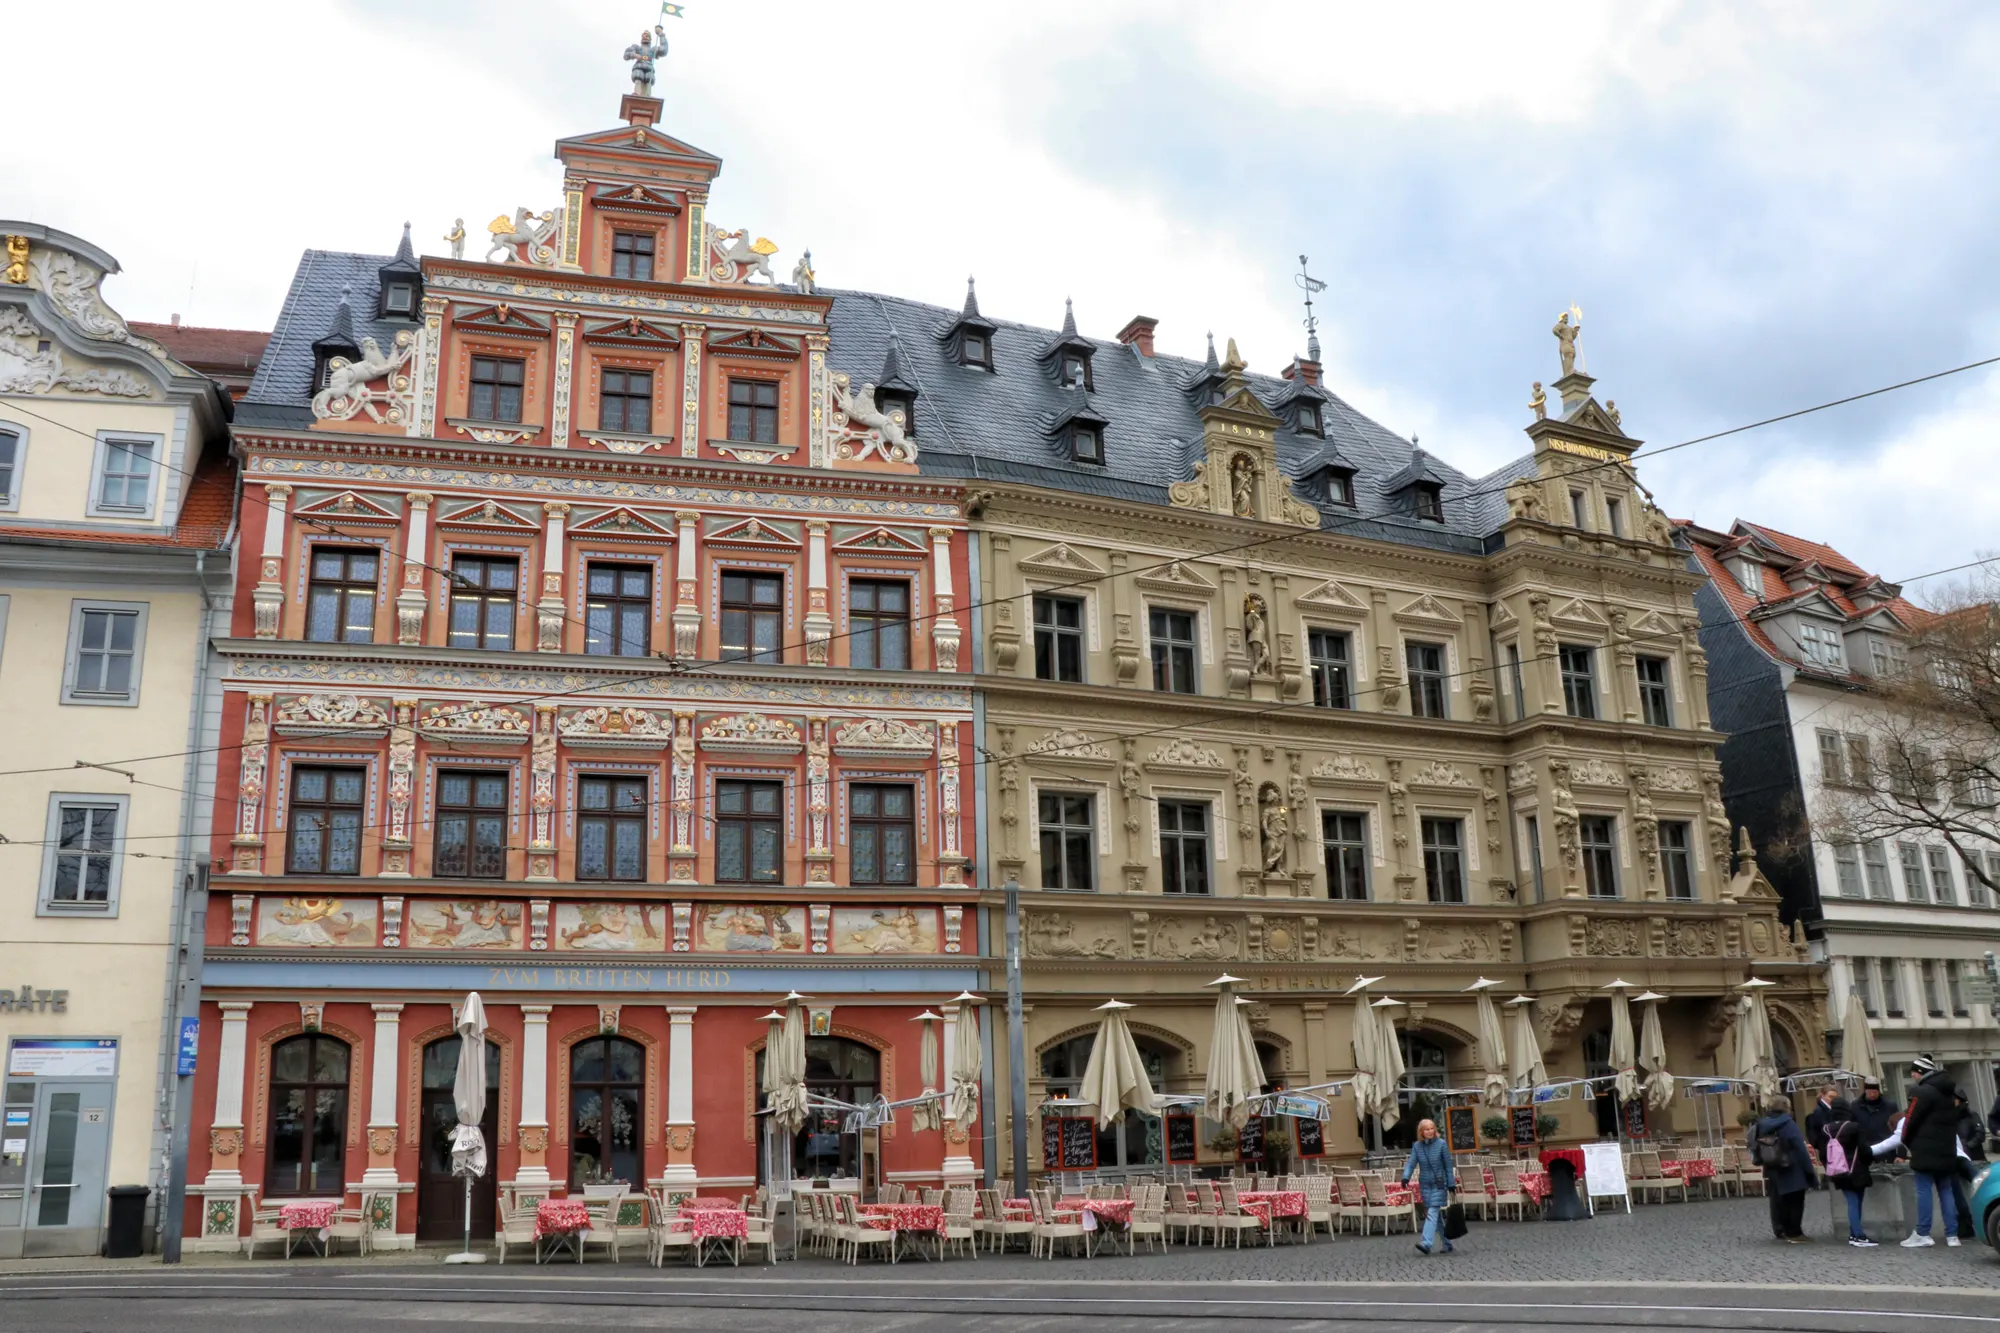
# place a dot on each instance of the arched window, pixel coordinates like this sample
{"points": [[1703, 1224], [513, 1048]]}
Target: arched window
{"points": [[842, 1071], [607, 1099], [308, 1116], [1597, 1064], [1784, 1052], [1426, 1066], [1131, 1139]]}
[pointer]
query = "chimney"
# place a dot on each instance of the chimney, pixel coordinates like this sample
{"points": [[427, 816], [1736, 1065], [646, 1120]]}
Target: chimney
{"points": [[1138, 334], [175, 320], [1302, 369]]}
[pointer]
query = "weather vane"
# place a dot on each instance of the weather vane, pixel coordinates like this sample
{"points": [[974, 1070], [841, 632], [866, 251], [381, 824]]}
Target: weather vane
{"points": [[1309, 284]]}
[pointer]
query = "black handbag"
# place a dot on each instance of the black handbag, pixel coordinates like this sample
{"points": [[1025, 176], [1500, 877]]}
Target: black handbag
{"points": [[1454, 1220]]}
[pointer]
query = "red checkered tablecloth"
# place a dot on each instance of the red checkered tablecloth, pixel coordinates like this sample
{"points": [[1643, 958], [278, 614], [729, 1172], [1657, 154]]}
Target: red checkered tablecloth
{"points": [[1574, 1156], [716, 1223], [1691, 1168], [1115, 1211], [306, 1216], [904, 1216], [1284, 1203], [560, 1217], [1534, 1184], [1399, 1196], [706, 1202]]}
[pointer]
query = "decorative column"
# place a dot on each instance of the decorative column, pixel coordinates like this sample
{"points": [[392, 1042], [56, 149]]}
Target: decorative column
{"points": [[680, 1095], [1697, 667], [549, 610], [687, 609], [958, 1167], [382, 1097], [819, 803], [397, 845], [1316, 1065], [944, 629], [247, 847], [410, 602], [570, 248], [691, 339], [225, 1135], [269, 597], [430, 346], [681, 855], [534, 1127], [951, 851], [819, 388], [542, 796], [565, 369], [697, 234], [819, 620]]}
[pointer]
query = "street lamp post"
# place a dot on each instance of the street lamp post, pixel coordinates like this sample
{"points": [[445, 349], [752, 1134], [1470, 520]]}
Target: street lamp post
{"points": [[1017, 1071]]}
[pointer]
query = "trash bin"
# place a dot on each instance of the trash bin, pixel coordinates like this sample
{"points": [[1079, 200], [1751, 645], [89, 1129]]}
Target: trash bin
{"points": [[125, 1236]]}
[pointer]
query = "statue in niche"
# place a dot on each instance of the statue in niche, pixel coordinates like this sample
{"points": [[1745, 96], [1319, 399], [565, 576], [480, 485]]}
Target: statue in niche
{"points": [[1274, 825], [1539, 402], [455, 238], [1243, 486], [1567, 331], [642, 54], [1256, 634]]}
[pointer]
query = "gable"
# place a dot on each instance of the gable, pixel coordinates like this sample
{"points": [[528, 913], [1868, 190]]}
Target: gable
{"points": [[499, 315], [754, 341], [349, 508], [1427, 610], [1593, 416], [489, 514], [1502, 617], [632, 329], [1331, 597], [1175, 576], [622, 522], [1653, 625], [879, 542], [1579, 614], [756, 533], [1061, 561]]}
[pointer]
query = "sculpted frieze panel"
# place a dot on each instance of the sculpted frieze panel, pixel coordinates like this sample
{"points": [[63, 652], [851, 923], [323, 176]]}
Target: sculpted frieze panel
{"points": [[1439, 774], [331, 715], [1070, 745], [1184, 753], [1188, 938], [1346, 768], [1057, 935]]}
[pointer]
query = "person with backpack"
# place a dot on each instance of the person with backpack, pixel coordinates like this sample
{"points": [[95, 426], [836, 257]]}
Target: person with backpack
{"points": [[1930, 1135], [1847, 1161], [1780, 1148]]}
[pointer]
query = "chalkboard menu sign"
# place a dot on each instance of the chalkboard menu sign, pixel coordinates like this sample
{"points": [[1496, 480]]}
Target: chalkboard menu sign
{"points": [[1522, 1122], [1069, 1143], [1310, 1135], [1250, 1140], [1181, 1139], [1460, 1131], [1634, 1113]]}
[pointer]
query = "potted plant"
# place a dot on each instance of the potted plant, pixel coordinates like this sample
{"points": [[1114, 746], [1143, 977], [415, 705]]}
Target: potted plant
{"points": [[1224, 1143], [1546, 1126], [1496, 1128]]}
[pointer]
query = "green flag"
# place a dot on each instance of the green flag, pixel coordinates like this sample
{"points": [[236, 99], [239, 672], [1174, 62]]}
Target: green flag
{"points": [[672, 11]]}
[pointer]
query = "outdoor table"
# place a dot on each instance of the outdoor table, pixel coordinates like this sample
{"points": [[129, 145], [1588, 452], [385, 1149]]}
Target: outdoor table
{"points": [[713, 1225], [560, 1222], [1534, 1184], [1565, 1166], [1270, 1205], [708, 1201], [1690, 1169], [914, 1219], [311, 1217]]}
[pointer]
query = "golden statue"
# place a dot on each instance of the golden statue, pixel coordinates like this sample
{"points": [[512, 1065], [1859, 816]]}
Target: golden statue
{"points": [[1566, 333], [17, 259], [1539, 401]]}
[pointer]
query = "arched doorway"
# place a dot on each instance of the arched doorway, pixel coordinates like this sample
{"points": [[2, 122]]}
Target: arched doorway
{"points": [[308, 1116], [1131, 1139], [607, 1099], [440, 1194], [1597, 1064], [844, 1071], [1426, 1074]]}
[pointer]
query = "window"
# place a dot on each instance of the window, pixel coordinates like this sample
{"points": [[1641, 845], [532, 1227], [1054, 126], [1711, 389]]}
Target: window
{"points": [[1832, 759], [607, 1098], [1339, 487], [1579, 509], [611, 828], [1875, 861], [106, 646], [1173, 651], [1933, 1000], [1975, 889], [753, 411], [1858, 766], [632, 255], [1888, 657], [1346, 837], [1444, 866], [878, 624], [625, 401], [1862, 979], [125, 476], [1330, 669], [496, 389], [1520, 690], [753, 617], [340, 599], [1308, 422], [482, 601], [324, 823], [471, 826], [1069, 855], [618, 610], [1614, 517], [1676, 858], [1598, 837], [1430, 503], [1184, 847], [1579, 683], [1892, 988], [1426, 665], [308, 1116], [1535, 854], [83, 853], [972, 351], [1654, 705], [1058, 638], [884, 838], [10, 469], [1820, 645], [1847, 869], [1086, 444], [1075, 371], [1941, 885], [1954, 981], [1750, 577], [1914, 886], [750, 832], [399, 299]]}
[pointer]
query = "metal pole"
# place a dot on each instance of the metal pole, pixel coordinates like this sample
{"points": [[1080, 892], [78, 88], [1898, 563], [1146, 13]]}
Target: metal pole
{"points": [[187, 1004], [1017, 1071], [468, 1215]]}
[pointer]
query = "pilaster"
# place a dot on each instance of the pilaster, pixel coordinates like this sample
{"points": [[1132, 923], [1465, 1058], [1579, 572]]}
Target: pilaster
{"points": [[549, 609], [687, 586], [268, 599], [411, 602], [382, 1096], [680, 1095], [534, 1125], [819, 619]]}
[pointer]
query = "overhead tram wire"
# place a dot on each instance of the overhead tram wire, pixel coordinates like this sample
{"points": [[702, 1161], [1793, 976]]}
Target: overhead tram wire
{"points": [[681, 669]]}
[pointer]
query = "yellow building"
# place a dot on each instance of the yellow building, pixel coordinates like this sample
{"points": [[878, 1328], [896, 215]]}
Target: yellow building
{"points": [[116, 493]]}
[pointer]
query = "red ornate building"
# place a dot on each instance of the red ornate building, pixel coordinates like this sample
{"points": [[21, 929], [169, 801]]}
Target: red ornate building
{"points": [[595, 650]]}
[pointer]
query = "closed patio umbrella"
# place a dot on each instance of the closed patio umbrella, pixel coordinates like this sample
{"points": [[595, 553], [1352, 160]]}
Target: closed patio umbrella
{"points": [[785, 1068], [468, 1096], [1492, 1046], [1234, 1076], [1857, 1039], [1623, 1058], [1388, 1090], [1524, 1066], [1755, 1060], [1653, 1054], [963, 1102], [1367, 1049], [929, 1112], [1115, 1077]]}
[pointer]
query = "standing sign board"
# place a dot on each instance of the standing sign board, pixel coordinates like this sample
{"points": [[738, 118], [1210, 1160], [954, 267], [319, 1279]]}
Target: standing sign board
{"points": [[1460, 1132], [1311, 1137], [1181, 1139], [1250, 1140], [1521, 1126], [1604, 1174]]}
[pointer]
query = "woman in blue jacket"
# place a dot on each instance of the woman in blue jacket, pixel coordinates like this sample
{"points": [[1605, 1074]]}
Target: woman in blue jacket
{"points": [[1787, 1180], [1431, 1162]]}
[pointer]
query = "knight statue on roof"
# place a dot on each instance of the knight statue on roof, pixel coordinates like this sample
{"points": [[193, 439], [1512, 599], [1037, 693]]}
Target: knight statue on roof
{"points": [[642, 54]]}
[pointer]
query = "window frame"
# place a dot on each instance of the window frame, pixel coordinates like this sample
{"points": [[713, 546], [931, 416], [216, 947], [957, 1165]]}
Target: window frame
{"points": [[1677, 861], [1056, 638], [1599, 856], [614, 603], [1065, 832], [470, 814], [73, 654], [1429, 501], [156, 447], [1915, 874], [497, 388], [1343, 854], [982, 356], [626, 397], [1954, 984], [613, 816], [1927, 979], [327, 806], [880, 825], [1422, 680], [481, 596], [1847, 870], [1183, 850], [343, 588], [749, 819], [868, 628], [1332, 675], [751, 609], [1579, 683], [1162, 650], [1579, 510], [631, 254], [1614, 517], [1877, 881], [1518, 682], [1086, 443], [1437, 855], [306, 1186], [1944, 884], [1656, 697], [46, 903], [1861, 979], [16, 467], [1890, 975], [759, 414]]}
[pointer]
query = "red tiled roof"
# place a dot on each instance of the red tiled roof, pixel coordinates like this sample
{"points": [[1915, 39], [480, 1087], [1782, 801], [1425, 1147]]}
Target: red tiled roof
{"points": [[204, 518], [201, 349]]}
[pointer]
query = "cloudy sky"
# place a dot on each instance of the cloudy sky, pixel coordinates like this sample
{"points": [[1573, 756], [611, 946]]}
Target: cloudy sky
{"points": [[1758, 206]]}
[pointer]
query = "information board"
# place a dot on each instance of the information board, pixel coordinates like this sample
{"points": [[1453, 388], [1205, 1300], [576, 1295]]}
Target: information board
{"points": [[61, 1058], [1604, 1171], [1250, 1140], [190, 1047], [1521, 1126], [1460, 1129], [1069, 1143], [1181, 1144], [1310, 1137]]}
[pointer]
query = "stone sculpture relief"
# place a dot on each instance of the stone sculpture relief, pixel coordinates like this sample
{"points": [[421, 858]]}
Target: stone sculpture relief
{"points": [[27, 367], [1257, 634], [347, 388]]}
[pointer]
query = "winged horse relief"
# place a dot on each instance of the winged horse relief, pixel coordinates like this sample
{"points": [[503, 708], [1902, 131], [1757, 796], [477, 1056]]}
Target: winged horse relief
{"points": [[865, 428], [734, 257], [525, 237], [347, 391]]}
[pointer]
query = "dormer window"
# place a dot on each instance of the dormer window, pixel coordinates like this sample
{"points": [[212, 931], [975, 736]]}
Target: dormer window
{"points": [[632, 255], [1821, 645], [891, 403], [1750, 577], [969, 340], [1086, 444], [1308, 420], [1430, 503], [975, 350], [1340, 488], [399, 300], [1075, 371]]}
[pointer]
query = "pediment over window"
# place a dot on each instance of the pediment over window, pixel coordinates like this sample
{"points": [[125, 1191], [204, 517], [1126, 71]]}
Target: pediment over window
{"points": [[348, 508], [491, 515], [623, 522], [1654, 626], [880, 542], [1579, 614], [1427, 610], [1177, 577], [633, 331], [1060, 561], [756, 533], [1332, 598], [1502, 617], [754, 342], [501, 316], [638, 196]]}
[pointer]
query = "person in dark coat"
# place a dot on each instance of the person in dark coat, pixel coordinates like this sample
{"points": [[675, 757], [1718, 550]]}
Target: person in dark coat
{"points": [[1785, 1182], [1972, 1147], [1971, 1134], [1930, 1136], [1852, 1139], [1823, 1118], [1874, 1112]]}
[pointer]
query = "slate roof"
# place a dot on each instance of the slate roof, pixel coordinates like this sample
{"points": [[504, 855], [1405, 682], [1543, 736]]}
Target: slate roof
{"points": [[995, 425]]}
